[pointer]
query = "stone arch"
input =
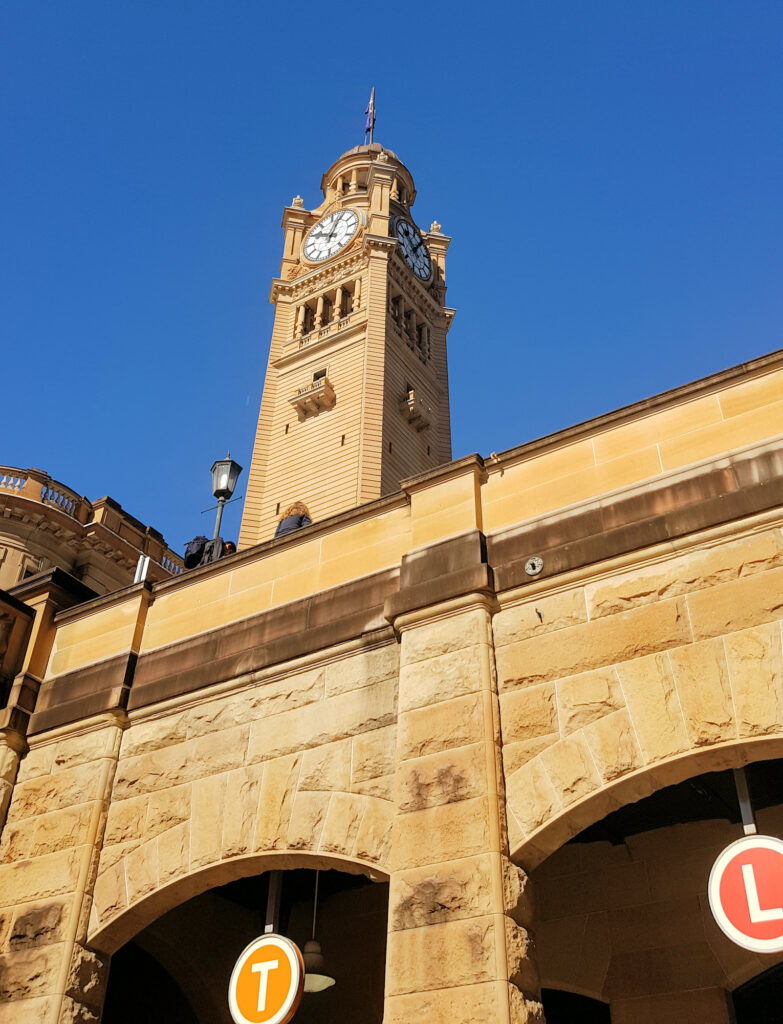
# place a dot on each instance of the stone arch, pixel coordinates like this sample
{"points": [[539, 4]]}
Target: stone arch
{"points": [[563, 818], [120, 921]]}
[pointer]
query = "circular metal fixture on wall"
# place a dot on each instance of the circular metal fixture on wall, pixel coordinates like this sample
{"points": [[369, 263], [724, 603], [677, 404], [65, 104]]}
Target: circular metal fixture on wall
{"points": [[534, 565]]}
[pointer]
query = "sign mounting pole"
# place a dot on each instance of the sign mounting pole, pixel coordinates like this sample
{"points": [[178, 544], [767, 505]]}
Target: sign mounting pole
{"points": [[273, 902], [746, 808]]}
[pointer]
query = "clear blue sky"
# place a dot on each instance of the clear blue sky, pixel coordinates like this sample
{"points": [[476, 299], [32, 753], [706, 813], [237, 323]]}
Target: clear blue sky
{"points": [[610, 173]]}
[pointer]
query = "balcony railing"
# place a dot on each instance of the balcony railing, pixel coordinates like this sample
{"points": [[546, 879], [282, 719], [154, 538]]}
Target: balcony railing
{"points": [[333, 327], [37, 486], [414, 411], [314, 398]]}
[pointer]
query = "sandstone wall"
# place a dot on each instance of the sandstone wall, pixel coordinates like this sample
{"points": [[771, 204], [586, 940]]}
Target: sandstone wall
{"points": [[624, 684], [397, 693]]}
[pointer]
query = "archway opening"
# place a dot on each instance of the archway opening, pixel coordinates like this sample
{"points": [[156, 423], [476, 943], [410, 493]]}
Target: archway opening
{"points": [[623, 913], [191, 950]]}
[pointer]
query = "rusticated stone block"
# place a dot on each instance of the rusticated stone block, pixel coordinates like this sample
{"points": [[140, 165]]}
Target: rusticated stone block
{"points": [[704, 691], [444, 833], [307, 819], [447, 955], [382, 787], [206, 823], [141, 871], [53, 792], [87, 976], [649, 690], [517, 754], [373, 840], [27, 973], [529, 713], [444, 636], [37, 925], [531, 796], [173, 852], [373, 754], [17, 841], [570, 768], [543, 615], [242, 787], [576, 649], [348, 714], [327, 767], [38, 761], [441, 892], [755, 667], [61, 830], [276, 795], [442, 778], [693, 571], [451, 675], [111, 855], [523, 1010], [218, 715], [469, 1004], [273, 697], [363, 669], [145, 737], [110, 895], [84, 748], [125, 820], [450, 723], [185, 762], [166, 808], [73, 1012], [341, 827], [517, 894], [613, 745], [587, 697], [521, 958], [737, 605], [37, 879]]}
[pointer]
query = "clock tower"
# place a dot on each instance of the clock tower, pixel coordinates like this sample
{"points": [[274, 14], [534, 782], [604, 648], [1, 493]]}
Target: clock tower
{"points": [[356, 392]]}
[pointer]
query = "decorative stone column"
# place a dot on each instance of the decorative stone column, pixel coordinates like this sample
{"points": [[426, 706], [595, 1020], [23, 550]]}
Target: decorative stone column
{"points": [[458, 947]]}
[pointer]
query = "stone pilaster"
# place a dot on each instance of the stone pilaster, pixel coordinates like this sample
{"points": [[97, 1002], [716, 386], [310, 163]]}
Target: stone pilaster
{"points": [[49, 853], [458, 949]]}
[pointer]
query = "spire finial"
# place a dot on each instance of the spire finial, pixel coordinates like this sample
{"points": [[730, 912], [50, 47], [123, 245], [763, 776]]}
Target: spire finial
{"points": [[369, 124]]}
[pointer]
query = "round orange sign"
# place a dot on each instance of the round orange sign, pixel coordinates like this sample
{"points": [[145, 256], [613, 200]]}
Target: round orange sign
{"points": [[266, 983]]}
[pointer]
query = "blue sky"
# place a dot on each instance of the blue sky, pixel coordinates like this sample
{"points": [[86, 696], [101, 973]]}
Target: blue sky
{"points": [[610, 173]]}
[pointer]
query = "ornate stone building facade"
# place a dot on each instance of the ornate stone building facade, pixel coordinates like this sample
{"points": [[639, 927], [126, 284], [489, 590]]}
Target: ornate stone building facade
{"points": [[45, 525], [458, 699]]}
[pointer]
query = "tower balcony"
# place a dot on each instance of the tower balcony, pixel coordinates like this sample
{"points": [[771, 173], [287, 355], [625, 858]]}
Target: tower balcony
{"points": [[414, 411], [313, 398]]}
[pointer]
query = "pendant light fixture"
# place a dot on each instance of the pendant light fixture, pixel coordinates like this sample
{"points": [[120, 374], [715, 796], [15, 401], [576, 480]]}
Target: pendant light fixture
{"points": [[316, 978]]}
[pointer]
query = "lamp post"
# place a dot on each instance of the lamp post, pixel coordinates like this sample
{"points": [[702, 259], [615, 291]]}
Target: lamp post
{"points": [[225, 473]]}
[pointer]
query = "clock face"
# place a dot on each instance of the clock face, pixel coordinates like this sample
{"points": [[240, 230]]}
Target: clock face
{"points": [[414, 250], [330, 235]]}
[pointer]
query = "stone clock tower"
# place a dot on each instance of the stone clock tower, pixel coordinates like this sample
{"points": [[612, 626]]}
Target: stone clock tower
{"points": [[356, 392]]}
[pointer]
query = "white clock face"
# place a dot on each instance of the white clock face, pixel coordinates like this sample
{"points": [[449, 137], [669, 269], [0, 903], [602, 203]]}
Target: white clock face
{"points": [[414, 250], [330, 235]]}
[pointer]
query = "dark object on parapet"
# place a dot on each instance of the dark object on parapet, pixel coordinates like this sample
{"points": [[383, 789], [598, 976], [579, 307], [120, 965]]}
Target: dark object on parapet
{"points": [[201, 551], [194, 551], [294, 518]]}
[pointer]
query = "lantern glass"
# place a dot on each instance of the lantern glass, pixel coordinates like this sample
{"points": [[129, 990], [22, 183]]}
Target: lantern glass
{"points": [[225, 473]]}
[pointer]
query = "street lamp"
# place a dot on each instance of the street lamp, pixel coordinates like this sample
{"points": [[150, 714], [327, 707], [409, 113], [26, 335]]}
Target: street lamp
{"points": [[225, 474]]}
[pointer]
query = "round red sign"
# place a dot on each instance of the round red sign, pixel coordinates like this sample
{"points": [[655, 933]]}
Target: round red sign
{"points": [[746, 893]]}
